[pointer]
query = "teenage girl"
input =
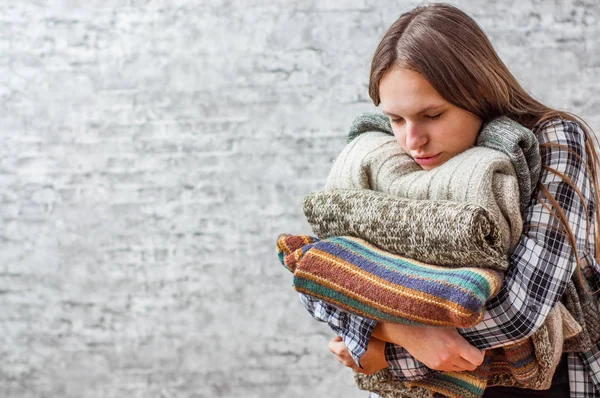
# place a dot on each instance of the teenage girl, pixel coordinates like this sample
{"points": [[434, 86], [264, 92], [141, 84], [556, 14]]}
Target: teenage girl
{"points": [[437, 77]]}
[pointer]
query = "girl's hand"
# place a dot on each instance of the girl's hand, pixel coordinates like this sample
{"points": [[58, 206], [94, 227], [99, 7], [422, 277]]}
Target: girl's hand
{"points": [[442, 349], [372, 361]]}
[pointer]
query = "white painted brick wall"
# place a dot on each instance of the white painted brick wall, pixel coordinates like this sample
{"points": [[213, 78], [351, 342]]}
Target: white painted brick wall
{"points": [[151, 152]]}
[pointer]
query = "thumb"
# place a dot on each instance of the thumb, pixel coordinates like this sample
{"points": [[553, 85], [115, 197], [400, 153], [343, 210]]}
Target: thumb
{"points": [[471, 354], [335, 347]]}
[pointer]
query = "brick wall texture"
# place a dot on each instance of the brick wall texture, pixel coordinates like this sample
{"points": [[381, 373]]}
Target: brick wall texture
{"points": [[151, 152]]}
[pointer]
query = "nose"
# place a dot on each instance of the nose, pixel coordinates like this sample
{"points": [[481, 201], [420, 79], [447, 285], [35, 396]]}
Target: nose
{"points": [[416, 137]]}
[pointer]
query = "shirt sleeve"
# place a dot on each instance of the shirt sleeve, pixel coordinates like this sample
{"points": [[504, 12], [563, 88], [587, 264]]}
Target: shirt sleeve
{"points": [[354, 330], [543, 261]]}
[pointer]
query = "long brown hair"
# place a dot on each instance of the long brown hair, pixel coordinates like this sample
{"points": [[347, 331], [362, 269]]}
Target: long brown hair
{"points": [[453, 53]]}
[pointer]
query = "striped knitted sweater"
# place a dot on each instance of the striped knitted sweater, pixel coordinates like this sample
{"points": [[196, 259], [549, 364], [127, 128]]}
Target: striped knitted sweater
{"points": [[360, 278]]}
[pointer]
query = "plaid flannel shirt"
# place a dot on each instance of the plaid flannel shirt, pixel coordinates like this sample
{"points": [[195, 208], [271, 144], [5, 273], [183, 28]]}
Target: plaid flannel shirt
{"points": [[541, 265]]}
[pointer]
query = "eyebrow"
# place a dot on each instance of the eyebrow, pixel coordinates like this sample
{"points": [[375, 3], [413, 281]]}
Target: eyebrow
{"points": [[427, 108]]}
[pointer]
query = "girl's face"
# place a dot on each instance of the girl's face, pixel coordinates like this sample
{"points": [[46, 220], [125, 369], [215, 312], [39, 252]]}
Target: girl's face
{"points": [[429, 129]]}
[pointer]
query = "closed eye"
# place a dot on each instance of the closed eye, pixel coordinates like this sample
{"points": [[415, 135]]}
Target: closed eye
{"points": [[396, 120], [434, 117]]}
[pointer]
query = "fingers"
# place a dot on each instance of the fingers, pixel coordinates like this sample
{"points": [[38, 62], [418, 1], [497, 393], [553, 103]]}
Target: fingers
{"points": [[464, 365], [457, 355], [463, 351], [335, 347], [457, 365], [338, 348], [471, 354]]}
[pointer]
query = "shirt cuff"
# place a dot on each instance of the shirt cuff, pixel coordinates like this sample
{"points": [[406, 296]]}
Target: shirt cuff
{"points": [[356, 332], [403, 366]]}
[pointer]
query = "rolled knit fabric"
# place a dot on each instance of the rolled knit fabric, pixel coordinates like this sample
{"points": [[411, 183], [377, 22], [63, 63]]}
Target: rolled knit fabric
{"points": [[502, 134], [357, 277], [436, 232], [478, 175]]}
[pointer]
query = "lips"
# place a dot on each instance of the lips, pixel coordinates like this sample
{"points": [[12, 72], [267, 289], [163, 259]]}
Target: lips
{"points": [[427, 160]]}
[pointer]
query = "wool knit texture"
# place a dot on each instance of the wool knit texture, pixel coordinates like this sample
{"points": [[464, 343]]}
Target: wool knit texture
{"points": [[481, 176], [373, 160], [358, 277], [437, 232], [502, 134], [582, 304]]}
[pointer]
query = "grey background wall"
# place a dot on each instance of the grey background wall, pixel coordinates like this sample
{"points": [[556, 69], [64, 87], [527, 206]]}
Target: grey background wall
{"points": [[151, 152]]}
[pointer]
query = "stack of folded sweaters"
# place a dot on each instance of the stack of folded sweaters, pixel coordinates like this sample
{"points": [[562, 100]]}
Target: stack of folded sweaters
{"points": [[400, 244]]}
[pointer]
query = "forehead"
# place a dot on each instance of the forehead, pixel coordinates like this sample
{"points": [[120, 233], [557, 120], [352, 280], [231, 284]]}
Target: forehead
{"points": [[405, 92]]}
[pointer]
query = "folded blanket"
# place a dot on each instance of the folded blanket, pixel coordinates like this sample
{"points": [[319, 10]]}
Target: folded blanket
{"points": [[436, 232], [405, 291]]}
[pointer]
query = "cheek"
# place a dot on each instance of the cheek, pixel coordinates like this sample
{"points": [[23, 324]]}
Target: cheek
{"points": [[464, 134], [470, 135], [472, 125]]}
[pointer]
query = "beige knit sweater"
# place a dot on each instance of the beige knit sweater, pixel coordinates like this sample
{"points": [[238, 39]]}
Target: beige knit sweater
{"points": [[481, 176]]}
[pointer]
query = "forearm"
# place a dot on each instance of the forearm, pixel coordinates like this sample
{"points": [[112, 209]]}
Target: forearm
{"points": [[526, 298], [544, 260], [393, 332]]}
